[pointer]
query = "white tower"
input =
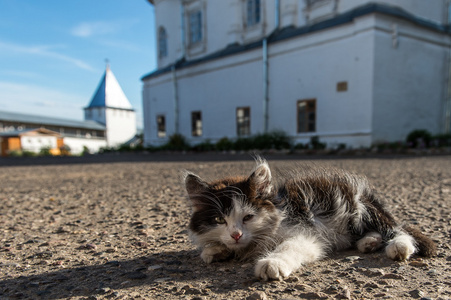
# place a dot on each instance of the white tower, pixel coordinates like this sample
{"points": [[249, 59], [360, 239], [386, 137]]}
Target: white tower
{"points": [[110, 106]]}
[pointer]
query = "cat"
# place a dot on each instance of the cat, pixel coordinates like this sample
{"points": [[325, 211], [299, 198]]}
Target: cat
{"points": [[299, 221]]}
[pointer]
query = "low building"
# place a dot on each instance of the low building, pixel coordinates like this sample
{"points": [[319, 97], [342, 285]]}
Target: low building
{"points": [[109, 122], [78, 136], [31, 140]]}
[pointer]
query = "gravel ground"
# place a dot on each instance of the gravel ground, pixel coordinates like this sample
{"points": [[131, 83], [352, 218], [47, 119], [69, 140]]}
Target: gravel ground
{"points": [[117, 230]]}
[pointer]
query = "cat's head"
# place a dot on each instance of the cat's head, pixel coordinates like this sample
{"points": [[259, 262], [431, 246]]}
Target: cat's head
{"points": [[236, 211]]}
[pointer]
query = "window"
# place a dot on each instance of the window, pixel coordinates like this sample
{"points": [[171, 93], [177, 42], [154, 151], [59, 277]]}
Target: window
{"points": [[195, 27], [196, 123], [306, 110], [252, 12], [342, 86], [162, 43], [161, 126], [243, 121]]}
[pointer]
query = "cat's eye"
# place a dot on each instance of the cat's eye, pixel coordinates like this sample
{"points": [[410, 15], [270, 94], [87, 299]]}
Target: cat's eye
{"points": [[220, 220], [247, 218]]}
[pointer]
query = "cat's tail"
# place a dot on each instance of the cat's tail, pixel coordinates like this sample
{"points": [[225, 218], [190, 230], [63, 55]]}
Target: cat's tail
{"points": [[425, 246]]}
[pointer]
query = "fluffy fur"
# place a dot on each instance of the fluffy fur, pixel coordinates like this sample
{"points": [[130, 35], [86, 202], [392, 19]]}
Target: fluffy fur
{"points": [[310, 214]]}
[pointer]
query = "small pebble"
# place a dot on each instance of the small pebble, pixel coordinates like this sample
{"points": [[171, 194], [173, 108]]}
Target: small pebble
{"points": [[353, 258], [257, 296]]}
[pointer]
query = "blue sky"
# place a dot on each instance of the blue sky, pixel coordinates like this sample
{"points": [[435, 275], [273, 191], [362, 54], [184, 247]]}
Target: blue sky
{"points": [[52, 53]]}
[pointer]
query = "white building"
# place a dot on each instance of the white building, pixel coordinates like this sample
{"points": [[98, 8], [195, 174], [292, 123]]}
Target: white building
{"points": [[109, 106], [349, 71]]}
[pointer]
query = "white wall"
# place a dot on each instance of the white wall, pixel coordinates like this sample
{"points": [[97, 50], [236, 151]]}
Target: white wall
{"points": [[77, 145], [168, 15], [310, 67], [300, 68], [391, 91], [95, 114], [410, 80], [434, 10], [36, 143], [225, 20], [120, 126]]}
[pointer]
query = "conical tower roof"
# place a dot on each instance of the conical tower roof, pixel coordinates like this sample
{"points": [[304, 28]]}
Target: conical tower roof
{"points": [[109, 93]]}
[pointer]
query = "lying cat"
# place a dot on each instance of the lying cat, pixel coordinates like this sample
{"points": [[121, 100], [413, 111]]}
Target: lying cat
{"points": [[309, 215]]}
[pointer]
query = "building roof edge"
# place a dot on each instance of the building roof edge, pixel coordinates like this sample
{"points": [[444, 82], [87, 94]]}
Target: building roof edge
{"points": [[292, 32]]}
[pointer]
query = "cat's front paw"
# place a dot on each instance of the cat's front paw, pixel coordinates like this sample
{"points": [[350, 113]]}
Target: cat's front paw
{"points": [[215, 253], [272, 268]]}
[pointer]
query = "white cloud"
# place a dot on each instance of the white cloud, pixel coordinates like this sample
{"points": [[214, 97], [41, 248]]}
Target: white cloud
{"points": [[44, 50], [39, 100], [96, 28], [87, 29]]}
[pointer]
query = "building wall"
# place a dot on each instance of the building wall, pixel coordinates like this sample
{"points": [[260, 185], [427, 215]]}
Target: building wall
{"points": [[410, 80], [120, 126], [95, 114], [395, 72], [224, 21], [168, 15], [300, 68], [310, 67], [77, 145], [9, 144], [36, 143], [435, 10]]}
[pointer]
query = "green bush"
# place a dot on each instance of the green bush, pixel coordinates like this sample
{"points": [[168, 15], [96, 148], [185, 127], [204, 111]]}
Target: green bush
{"points": [[204, 146], [419, 138], [273, 140], [15, 153], [224, 144], [243, 144], [125, 148], [65, 150], [316, 144], [177, 142], [300, 146], [442, 140], [45, 151]]}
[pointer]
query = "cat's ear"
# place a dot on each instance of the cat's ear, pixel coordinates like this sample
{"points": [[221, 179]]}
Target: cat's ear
{"points": [[195, 186], [261, 178]]}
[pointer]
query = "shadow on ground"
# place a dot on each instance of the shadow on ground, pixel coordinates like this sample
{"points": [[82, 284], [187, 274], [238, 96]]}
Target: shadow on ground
{"points": [[165, 268], [100, 279]]}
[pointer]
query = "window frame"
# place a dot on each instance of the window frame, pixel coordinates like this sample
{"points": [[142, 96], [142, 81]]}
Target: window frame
{"points": [[243, 124], [162, 42], [253, 11], [308, 122], [161, 125], [196, 123], [195, 35]]}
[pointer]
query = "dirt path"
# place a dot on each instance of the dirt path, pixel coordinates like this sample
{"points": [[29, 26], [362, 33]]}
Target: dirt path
{"points": [[118, 231]]}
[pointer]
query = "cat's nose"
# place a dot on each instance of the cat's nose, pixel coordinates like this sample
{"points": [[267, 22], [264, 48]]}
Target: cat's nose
{"points": [[236, 235]]}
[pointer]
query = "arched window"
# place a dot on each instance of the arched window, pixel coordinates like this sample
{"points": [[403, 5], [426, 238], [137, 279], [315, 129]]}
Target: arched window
{"points": [[162, 43], [252, 12]]}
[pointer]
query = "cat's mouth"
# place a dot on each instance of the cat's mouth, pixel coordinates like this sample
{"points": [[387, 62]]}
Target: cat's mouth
{"points": [[236, 244]]}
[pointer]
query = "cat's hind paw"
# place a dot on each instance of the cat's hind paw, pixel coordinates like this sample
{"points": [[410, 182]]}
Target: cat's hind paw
{"points": [[401, 247], [270, 268], [370, 242]]}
